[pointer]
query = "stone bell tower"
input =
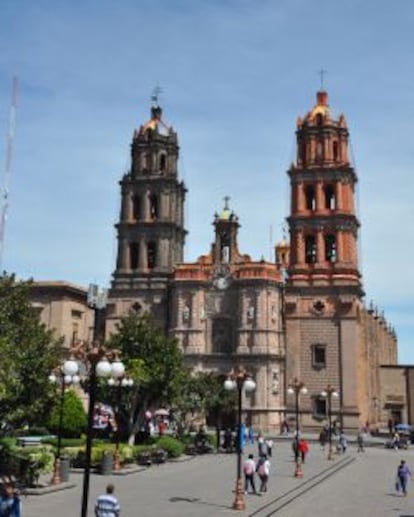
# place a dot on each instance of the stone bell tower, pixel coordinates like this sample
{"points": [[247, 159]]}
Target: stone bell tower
{"points": [[323, 288], [150, 231]]}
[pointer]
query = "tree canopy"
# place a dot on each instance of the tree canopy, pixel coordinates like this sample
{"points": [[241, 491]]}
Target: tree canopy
{"points": [[29, 352], [153, 360]]}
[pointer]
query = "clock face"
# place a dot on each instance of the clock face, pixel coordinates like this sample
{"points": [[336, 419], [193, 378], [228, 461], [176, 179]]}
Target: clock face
{"points": [[221, 282]]}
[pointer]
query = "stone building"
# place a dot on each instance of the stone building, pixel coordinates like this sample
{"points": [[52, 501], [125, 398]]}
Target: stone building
{"points": [[63, 306], [302, 316]]}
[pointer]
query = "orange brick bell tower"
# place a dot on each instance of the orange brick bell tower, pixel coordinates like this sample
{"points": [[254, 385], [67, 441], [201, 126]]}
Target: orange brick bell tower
{"points": [[323, 224], [323, 284]]}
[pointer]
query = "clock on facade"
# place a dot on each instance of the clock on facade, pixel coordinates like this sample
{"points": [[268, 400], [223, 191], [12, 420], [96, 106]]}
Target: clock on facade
{"points": [[221, 282]]}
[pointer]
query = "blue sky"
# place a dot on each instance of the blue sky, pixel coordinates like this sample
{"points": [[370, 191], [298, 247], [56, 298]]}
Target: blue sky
{"points": [[235, 74]]}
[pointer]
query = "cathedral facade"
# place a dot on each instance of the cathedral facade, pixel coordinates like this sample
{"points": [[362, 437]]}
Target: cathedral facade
{"points": [[300, 317]]}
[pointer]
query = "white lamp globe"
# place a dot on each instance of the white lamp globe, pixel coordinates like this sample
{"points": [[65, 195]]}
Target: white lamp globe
{"points": [[324, 394], [67, 379], [52, 378], [335, 395], [249, 385], [304, 390], [117, 369], [70, 367], [124, 383], [75, 379], [229, 384], [291, 391], [130, 382], [103, 368], [111, 381]]}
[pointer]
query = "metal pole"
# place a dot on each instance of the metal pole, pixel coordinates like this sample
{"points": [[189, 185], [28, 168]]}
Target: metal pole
{"points": [[297, 424], [330, 423], [56, 468], [62, 400], [92, 393], [239, 503], [117, 465], [239, 435]]}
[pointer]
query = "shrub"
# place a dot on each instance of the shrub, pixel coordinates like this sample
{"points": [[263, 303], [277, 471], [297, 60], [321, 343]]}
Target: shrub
{"points": [[65, 442], [74, 417], [171, 445]]}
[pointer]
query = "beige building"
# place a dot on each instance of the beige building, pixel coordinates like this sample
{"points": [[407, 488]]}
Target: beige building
{"points": [[63, 307]]}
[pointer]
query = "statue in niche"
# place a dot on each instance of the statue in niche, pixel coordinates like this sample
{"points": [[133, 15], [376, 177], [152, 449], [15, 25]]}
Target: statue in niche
{"points": [[186, 313], [250, 312]]}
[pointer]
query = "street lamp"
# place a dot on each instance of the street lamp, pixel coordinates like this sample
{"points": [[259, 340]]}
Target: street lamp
{"points": [[97, 363], [328, 393], [296, 388], [239, 380], [118, 383], [66, 374]]}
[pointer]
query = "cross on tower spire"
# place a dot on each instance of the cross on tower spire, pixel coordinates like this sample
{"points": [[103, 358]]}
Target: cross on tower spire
{"points": [[156, 92], [226, 202], [322, 73]]}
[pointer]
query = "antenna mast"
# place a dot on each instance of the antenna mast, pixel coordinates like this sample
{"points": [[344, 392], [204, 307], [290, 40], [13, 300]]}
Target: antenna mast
{"points": [[7, 171]]}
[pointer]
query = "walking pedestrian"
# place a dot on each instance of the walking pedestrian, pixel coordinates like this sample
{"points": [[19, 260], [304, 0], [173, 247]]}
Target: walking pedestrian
{"points": [[260, 445], [263, 470], [10, 502], [269, 446], [107, 504], [249, 469], [342, 443], [361, 441], [322, 438], [403, 474], [303, 449]]}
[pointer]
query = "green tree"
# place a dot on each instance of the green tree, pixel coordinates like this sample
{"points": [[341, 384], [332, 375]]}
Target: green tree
{"points": [[74, 417], [29, 352], [204, 393], [153, 360]]}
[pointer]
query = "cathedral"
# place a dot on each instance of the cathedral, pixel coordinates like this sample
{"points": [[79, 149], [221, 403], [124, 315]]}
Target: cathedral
{"points": [[301, 316]]}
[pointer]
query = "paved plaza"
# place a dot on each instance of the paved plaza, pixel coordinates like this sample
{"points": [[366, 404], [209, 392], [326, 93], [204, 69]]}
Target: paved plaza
{"points": [[354, 484]]}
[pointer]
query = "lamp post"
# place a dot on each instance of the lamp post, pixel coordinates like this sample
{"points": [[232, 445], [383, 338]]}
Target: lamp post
{"points": [[67, 373], [119, 383], [328, 393], [296, 388], [97, 362], [239, 380]]}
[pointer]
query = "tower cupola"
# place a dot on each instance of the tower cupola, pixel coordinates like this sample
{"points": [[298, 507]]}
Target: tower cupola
{"points": [[323, 224]]}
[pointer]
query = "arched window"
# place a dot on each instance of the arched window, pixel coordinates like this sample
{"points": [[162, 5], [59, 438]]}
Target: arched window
{"points": [[310, 249], [319, 151], [303, 153], [310, 197], [335, 151], [153, 206], [319, 119], [136, 207], [330, 248], [151, 255], [133, 255], [330, 201], [163, 162]]}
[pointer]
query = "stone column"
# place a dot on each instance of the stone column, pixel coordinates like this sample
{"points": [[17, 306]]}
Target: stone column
{"points": [[320, 247], [142, 259], [320, 201]]}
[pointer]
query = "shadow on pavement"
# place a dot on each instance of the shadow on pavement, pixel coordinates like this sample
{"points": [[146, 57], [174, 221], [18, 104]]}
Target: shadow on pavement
{"points": [[196, 500]]}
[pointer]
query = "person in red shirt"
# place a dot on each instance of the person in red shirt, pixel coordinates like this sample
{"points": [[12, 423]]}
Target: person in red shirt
{"points": [[303, 449], [162, 427]]}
